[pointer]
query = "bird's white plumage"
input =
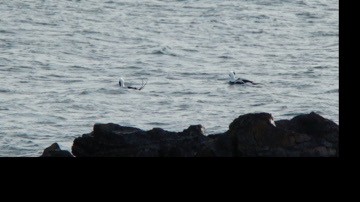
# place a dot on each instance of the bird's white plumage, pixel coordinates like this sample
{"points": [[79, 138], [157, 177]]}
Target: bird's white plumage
{"points": [[122, 82], [235, 80], [232, 76]]}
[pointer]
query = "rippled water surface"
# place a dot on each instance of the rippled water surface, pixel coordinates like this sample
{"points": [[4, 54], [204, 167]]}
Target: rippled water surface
{"points": [[60, 62]]}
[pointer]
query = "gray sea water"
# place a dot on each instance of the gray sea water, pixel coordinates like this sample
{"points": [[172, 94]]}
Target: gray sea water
{"points": [[60, 63]]}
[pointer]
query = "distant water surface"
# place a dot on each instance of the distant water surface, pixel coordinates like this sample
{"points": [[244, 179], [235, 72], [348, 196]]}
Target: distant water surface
{"points": [[60, 62]]}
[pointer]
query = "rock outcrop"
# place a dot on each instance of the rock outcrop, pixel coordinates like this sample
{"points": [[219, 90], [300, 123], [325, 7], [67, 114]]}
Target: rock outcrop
{"points": [[115, 140], [55, 151], [315, 135], [249, 135]]}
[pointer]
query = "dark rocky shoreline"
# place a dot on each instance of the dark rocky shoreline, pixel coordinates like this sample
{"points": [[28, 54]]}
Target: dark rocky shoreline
{"points": [[249, 135]]}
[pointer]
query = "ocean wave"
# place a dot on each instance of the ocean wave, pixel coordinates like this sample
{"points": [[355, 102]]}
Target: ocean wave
{"points": [[164, 51]]}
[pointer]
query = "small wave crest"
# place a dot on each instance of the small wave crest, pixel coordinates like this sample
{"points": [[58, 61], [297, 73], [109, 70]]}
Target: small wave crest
{"points": [[332, 91], [166, 50]]}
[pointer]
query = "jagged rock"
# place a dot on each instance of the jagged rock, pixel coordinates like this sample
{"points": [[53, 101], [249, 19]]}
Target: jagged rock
{"points": [[304, 135], [115, 140], [219, 145], [55, 151], [314, 125], [316, 135], [253, 134], [248, 135]]}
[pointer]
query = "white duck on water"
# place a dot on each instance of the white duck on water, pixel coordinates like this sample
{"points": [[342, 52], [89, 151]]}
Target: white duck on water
{"points": [[234, 80]]}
